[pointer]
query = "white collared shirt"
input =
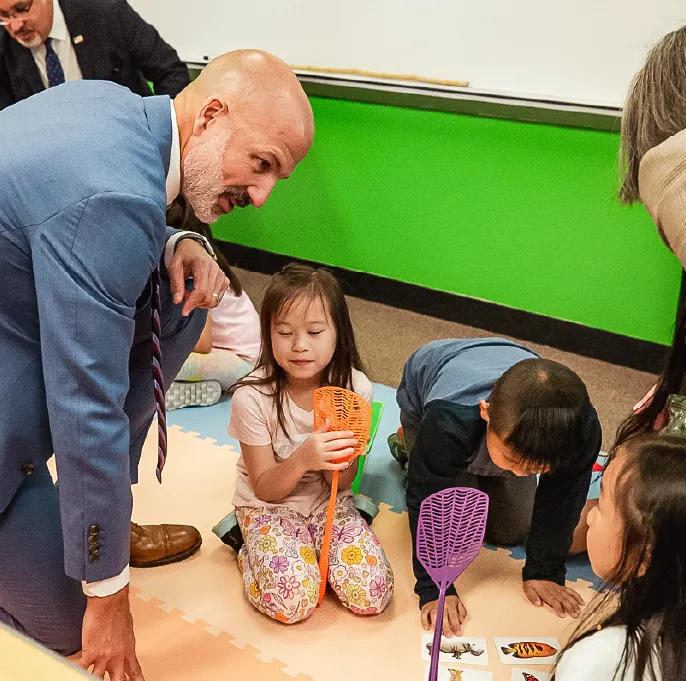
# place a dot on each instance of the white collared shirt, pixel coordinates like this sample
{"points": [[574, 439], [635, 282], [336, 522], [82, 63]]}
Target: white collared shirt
{"points": [[61, 43], [174, 172], [174, 185]]}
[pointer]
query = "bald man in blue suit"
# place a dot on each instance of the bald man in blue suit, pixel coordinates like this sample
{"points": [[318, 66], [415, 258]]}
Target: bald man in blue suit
{"points": [[88, 169]]}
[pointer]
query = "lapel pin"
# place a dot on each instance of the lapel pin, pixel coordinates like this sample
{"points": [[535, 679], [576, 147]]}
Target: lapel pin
{"points": [[78, 39]]}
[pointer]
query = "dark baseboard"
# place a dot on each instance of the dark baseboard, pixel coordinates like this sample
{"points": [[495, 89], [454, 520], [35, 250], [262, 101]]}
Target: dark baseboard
{"points": [[498, 319]]}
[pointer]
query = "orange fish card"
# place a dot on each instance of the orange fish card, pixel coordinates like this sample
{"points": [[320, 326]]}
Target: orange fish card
{"points": [[529, 650]]}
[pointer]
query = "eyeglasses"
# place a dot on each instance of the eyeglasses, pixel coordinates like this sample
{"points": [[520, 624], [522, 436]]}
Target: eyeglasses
{"points": [[19, 12]]}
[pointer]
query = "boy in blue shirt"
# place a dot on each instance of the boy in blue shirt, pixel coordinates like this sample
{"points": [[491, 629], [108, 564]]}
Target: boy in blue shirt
{"points": [[491, 414]]}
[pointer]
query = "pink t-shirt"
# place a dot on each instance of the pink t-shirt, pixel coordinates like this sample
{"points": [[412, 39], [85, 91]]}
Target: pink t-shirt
{"points": [[254, 422], [236, 326]]}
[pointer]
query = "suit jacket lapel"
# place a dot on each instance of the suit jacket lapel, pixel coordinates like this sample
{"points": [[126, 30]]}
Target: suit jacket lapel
{"points": [[75, 16], [22, 69]]}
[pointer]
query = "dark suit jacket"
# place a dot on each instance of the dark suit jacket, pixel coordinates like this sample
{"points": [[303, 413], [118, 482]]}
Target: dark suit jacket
{"points": [[117, 45]]}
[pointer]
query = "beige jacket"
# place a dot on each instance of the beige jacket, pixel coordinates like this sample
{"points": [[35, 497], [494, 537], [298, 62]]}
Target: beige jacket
{"points": [[662, 185]]}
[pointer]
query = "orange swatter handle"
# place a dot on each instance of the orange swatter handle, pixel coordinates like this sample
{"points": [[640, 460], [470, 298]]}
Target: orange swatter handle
{"points": [[347, 411], [326, 540]]}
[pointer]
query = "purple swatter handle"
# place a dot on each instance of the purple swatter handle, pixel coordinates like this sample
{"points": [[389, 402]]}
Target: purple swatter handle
{"points": [[438, 632]]}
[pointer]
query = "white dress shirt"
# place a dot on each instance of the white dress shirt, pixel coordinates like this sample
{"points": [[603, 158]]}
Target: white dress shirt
{"points": [[61, 43], [173, 189], [174, 184]]}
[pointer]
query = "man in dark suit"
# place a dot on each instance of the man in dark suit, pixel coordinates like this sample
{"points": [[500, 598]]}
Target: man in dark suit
{"points": [[45, 43], [85, 39]]}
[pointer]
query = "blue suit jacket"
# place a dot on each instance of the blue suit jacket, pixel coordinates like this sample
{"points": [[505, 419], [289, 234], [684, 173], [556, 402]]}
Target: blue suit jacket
{"points": [[83, 199]]}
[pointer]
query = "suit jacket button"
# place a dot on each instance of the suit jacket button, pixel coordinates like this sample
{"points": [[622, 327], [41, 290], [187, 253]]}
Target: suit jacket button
{"points": [[27, 469]]}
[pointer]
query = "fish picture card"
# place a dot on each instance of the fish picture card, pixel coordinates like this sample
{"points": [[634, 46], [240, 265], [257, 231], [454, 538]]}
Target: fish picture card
{"points": [[457, 650], [527, 650], [454, 674], [529, 675]]}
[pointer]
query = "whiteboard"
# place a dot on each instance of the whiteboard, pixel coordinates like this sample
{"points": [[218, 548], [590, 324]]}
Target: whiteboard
{"points": [[578, 51]]}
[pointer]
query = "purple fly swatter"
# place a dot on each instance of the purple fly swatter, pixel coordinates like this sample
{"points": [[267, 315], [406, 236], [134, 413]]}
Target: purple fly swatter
{"points": [[449, 537]]}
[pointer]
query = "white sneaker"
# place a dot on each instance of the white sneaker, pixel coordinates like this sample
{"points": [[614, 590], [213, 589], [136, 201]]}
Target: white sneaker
{"points": [[193, 394]]}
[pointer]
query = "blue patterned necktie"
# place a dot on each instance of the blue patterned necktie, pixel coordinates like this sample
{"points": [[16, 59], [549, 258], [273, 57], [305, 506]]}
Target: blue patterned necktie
{"points": [[158, 378], [52, 65]]}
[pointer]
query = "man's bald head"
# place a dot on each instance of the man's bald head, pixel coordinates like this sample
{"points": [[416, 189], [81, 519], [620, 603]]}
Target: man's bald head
{"points": [[249, 74], [244, 123]]}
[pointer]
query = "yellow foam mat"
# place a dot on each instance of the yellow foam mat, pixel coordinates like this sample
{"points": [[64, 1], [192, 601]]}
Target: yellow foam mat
{"points": [[22, 659], [333, 645]]}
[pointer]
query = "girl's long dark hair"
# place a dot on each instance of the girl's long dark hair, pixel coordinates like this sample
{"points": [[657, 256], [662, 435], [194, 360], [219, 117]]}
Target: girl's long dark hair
{"points": [[291, 283], [650, 580], [670, 379]]}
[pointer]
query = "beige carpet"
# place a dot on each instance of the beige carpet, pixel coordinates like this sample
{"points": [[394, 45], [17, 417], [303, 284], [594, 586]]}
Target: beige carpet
{"points": [[387, 337]]}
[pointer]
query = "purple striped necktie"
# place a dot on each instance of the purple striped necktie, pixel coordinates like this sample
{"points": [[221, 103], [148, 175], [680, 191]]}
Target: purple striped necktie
{"points": [[158, 379]]}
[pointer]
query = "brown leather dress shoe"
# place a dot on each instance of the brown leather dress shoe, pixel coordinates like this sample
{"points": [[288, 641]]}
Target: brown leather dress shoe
{"points": [[154, 545]]}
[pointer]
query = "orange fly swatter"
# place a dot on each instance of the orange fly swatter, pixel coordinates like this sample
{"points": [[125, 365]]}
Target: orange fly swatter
{"points": [[347, 411]]}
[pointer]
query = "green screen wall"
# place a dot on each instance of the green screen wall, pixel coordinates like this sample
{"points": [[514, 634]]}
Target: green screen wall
{"points": [[515, 213]]}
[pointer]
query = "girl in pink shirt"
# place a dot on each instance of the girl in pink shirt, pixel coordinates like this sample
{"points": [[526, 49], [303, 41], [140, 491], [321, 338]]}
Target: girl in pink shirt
{"points": [[227, 350], [285, 469]]}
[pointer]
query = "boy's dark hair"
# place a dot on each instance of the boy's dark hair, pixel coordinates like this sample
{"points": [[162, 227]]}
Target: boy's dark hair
{"points": [[539, 408]]}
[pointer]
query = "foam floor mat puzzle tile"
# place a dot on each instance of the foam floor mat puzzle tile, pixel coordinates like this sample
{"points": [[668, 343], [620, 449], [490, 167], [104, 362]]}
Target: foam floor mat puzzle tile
{"points": [[333, 645], [169, 647]]}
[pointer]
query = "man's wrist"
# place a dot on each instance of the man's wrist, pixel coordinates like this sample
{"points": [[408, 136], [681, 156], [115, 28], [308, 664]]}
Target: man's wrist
{"points": [[175, 239], [107, 587]]}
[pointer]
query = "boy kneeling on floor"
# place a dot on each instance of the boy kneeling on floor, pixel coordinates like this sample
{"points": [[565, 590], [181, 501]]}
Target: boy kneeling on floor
{"points": [[491, 414]]}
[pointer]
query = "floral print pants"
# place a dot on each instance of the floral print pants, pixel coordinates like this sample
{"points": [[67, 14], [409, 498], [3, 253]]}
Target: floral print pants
{"points": [[280, 568]]}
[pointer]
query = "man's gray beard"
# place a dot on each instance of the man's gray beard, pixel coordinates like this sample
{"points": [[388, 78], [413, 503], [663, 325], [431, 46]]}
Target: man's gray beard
{"points": [[31, 43], [202, 177]]}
